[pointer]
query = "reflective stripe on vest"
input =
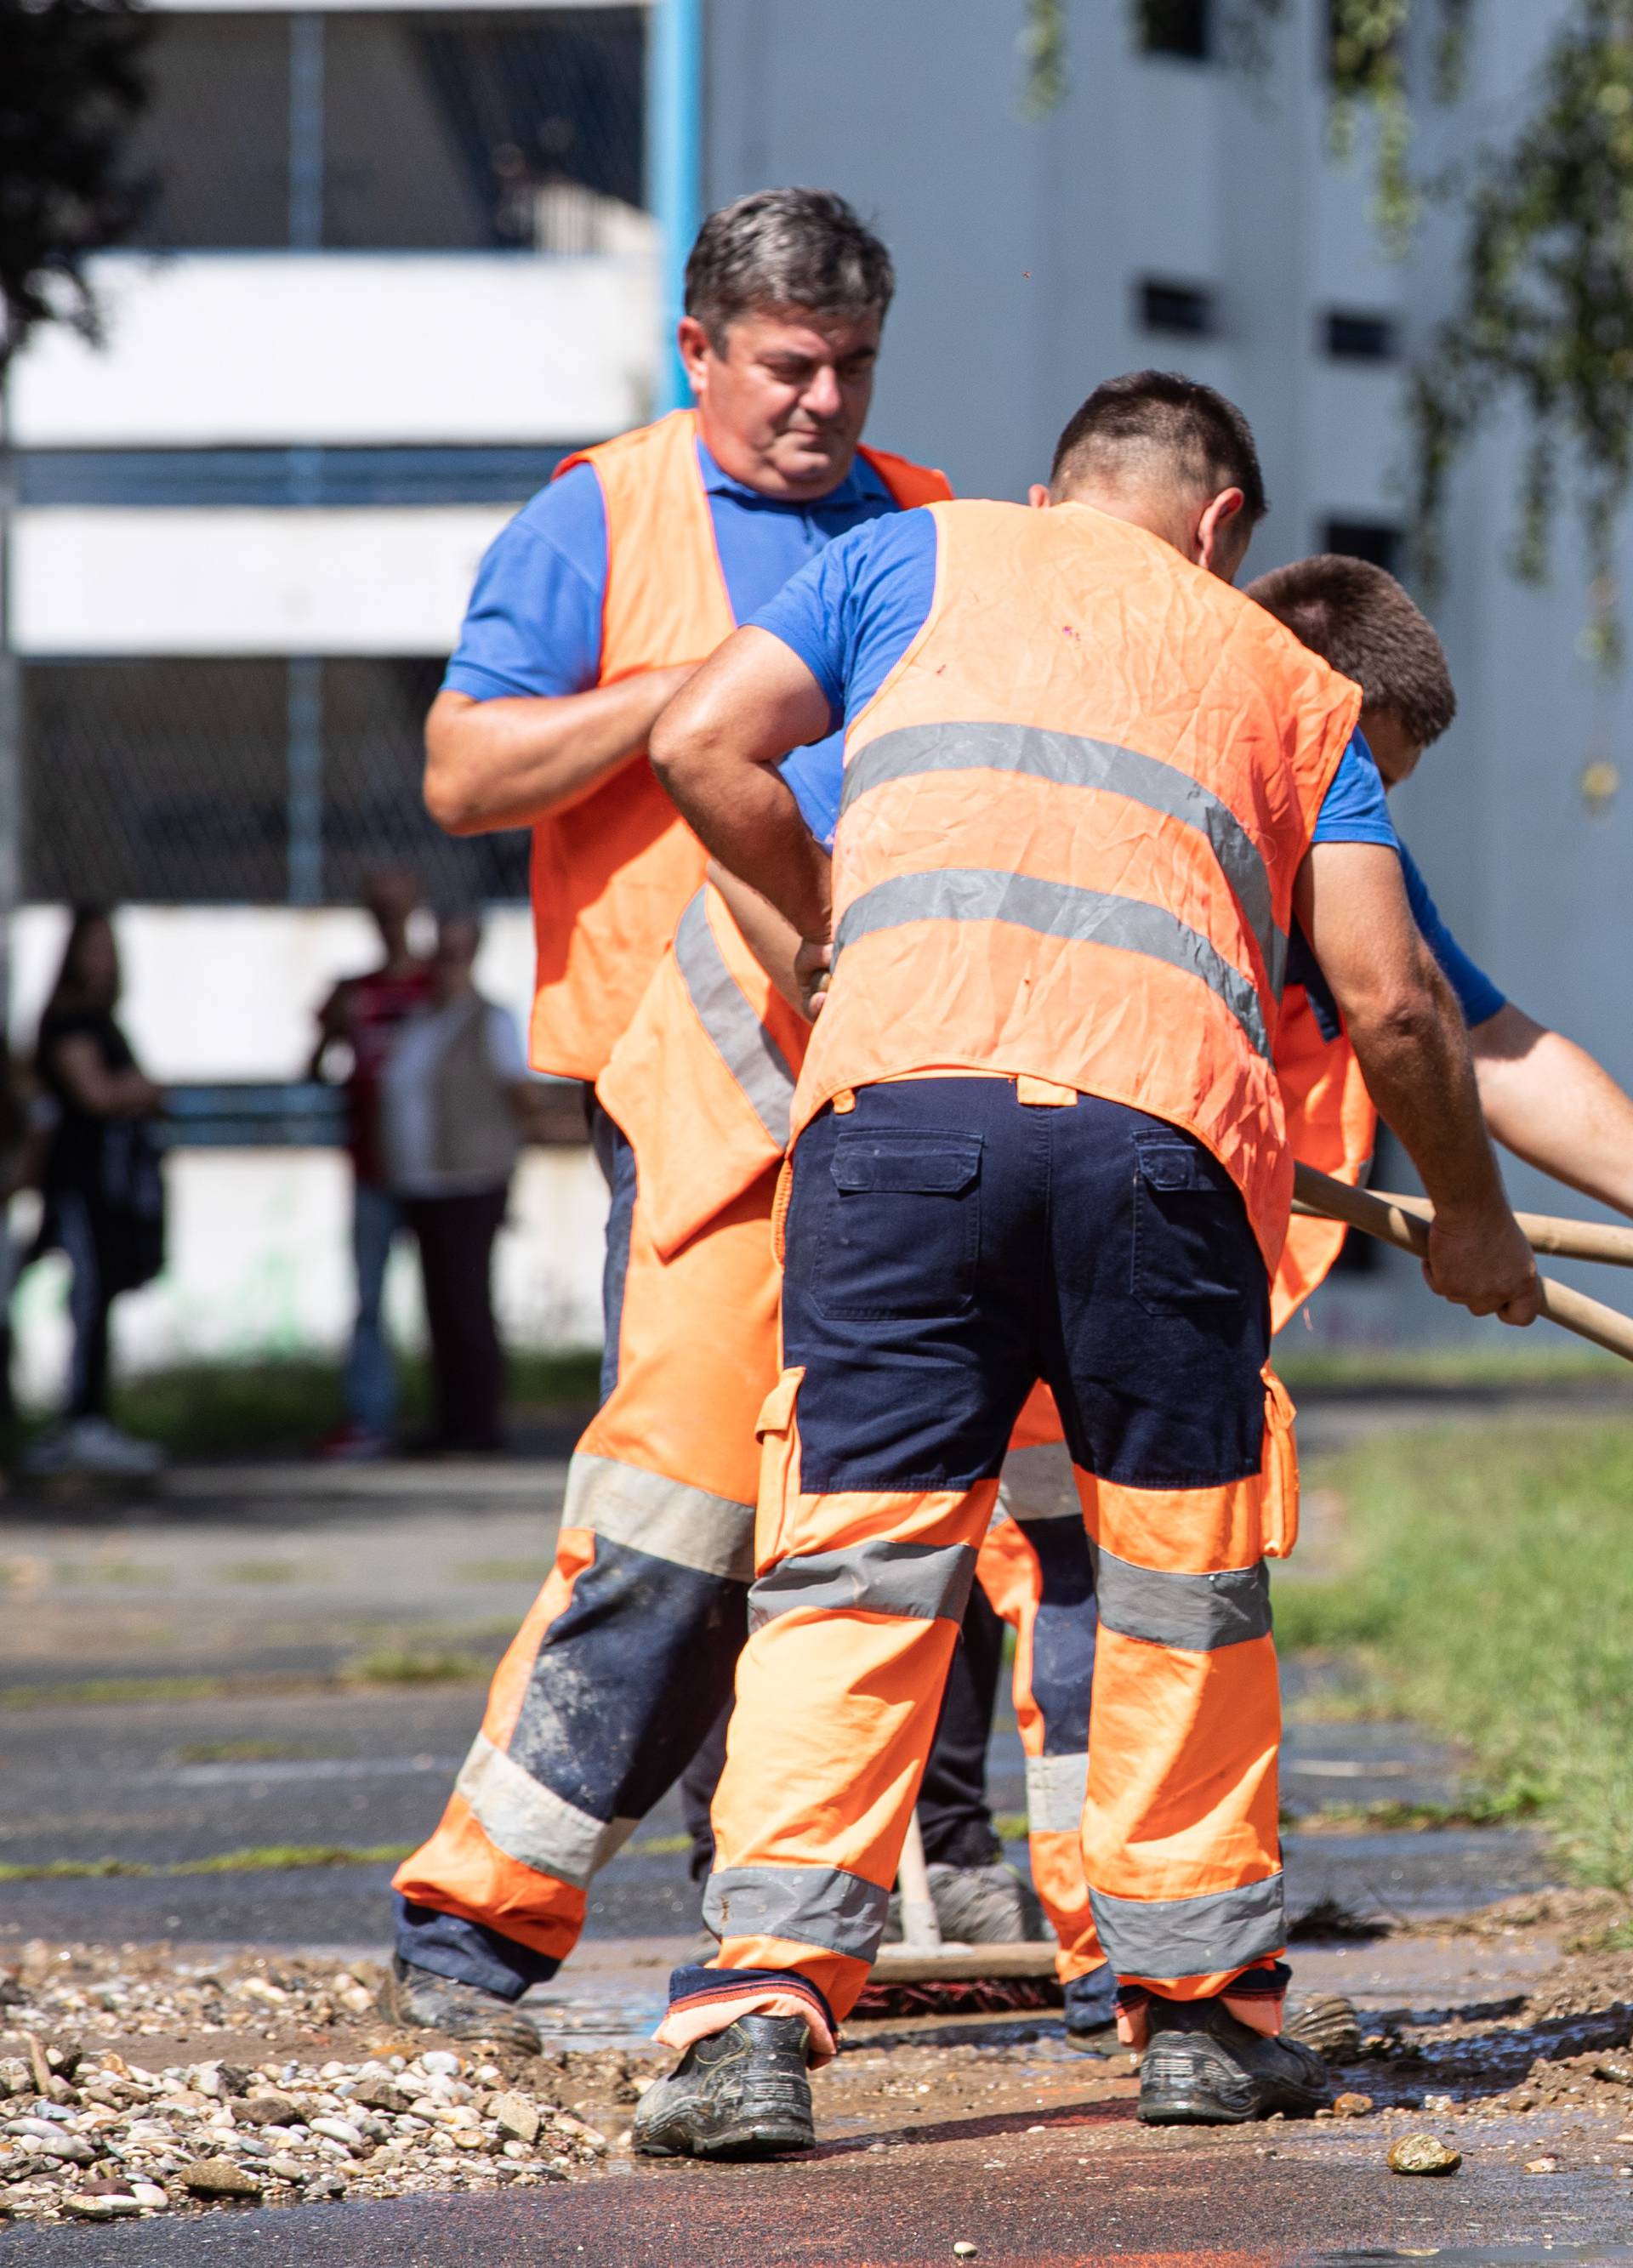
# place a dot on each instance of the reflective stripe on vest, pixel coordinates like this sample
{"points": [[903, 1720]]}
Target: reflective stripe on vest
{"points": [[1071, 824], [611, 874], [743, 1043], [975, 894], [1070, 761], [712, 1052]]}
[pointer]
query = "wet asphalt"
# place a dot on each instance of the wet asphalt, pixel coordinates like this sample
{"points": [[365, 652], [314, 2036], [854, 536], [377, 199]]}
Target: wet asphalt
{"points": [[327, 1613]]}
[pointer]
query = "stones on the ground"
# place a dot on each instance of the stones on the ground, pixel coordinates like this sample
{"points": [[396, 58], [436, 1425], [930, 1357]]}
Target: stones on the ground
{"points": [[326, 2185], [85, 2206], [337, 2130], [1619, 2069], [219, 2177], [1440, 2106], [964, 2251], [68, 2149], [564, 2122], [1351, 2106], [15, 2077], [265, 2110], [1542, 2165], [517, 2116], [441, 2063], [380, 2094], [1423, 2154], [149, 2196], [288, 2170]]}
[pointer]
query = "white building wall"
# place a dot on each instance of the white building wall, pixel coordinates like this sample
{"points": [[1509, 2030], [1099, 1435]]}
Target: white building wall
{"points": [[233, 350]]}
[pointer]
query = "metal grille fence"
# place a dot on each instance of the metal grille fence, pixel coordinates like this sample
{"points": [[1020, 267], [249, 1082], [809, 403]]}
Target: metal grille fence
{"points": [[394, 130], [232, 781]]}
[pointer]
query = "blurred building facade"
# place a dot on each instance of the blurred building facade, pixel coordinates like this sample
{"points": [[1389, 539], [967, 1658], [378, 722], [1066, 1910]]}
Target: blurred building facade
{"points": [[399, 262]]}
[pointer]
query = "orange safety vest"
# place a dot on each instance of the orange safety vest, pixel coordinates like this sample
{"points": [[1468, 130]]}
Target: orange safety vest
{"points": [[702, 1081], [1331, 1122], [1068, 832], [610, 873]]}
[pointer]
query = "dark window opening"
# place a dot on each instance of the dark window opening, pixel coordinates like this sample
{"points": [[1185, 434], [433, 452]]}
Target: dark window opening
{"points": [[1366, 538], [481, 130], [1175, 27], [239, 781], [1353, 336], [1185, 310]]}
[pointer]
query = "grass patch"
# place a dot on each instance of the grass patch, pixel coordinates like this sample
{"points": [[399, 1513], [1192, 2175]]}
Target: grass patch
{"points": [[1304, 1366], [502, 1570], [285, 1403], [111, 1691], [1490, 1596], [392, 1666], [249, 1752], [259, 1572], [267, 1858]]}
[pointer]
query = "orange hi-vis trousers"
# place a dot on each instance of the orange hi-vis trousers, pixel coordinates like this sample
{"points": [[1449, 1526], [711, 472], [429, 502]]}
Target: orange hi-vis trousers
{"points": [[947, 1245], [625, 1660]]}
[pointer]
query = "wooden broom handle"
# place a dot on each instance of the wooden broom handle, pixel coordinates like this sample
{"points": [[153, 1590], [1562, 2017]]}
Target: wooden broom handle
{"points": [[1402, 1224]]}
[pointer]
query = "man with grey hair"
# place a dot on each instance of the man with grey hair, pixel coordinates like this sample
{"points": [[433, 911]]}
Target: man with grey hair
{"points": [[590, 610]]}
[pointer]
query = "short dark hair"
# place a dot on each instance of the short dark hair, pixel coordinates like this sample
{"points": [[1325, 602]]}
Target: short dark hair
{"points": [[785, 248], [1356, 616], [1166, 419]]}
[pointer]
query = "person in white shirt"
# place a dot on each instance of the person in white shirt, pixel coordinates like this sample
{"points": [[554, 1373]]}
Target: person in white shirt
{"points": [[456, 1104]]}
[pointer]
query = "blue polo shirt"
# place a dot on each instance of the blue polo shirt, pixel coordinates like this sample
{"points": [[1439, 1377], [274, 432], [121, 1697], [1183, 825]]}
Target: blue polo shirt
{"points": [[852, 614], [533, 622]]}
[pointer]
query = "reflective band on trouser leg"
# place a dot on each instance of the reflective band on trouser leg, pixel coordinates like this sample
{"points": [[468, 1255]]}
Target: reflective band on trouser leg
{"points": [[1036, 1552], [1180, 1839], [814, 1806], [625, 1659]]}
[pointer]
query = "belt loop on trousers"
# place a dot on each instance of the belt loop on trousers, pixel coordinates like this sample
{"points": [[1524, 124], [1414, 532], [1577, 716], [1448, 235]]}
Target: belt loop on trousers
{"points": [[1044, 1093], [845, 1102]]}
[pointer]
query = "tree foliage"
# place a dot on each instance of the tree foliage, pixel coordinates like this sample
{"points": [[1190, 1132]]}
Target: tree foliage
{"points": [[70, 86], [1542, 319]]}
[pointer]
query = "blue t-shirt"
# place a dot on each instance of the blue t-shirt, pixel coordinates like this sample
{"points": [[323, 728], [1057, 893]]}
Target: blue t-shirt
{"points": [[852, 614], [533, 622]]}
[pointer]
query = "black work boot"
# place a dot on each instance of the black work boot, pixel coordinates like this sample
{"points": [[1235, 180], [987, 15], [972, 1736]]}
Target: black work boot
{"points": [[741, 2092], [421, 1999], [1203, 2068]]}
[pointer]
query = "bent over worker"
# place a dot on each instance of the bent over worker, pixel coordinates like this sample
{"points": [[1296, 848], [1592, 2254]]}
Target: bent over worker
{"points": [[1039, 1133], [588, 612]]}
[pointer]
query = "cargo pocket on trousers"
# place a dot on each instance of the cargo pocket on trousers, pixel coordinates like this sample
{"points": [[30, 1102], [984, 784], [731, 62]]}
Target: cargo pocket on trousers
{"points": [[779, 1479], [1278, 1515], [1193, 1252], [901, 1231]]}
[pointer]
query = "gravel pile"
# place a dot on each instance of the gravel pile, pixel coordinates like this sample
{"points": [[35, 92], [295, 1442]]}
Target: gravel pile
{"points": [[99, 2137], [96, 2132]]}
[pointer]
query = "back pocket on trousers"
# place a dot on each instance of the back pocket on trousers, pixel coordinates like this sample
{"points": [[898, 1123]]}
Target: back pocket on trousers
{"points": [[901, 1231], [1193, 1252]]}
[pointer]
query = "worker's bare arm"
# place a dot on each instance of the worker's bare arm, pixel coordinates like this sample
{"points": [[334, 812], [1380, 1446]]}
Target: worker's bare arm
{"points": [[771, 940], [491, 764], [1409, 1035], [1549, 1101], [717, 750]]}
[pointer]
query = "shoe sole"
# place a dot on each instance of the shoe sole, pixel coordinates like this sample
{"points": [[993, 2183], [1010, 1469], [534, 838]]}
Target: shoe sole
{"points": [[758, 2137], [1208, 2110]]}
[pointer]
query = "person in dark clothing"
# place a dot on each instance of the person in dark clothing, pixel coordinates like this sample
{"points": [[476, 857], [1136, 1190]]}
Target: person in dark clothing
{"points": [[104, 1194], [456, 1100]]}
